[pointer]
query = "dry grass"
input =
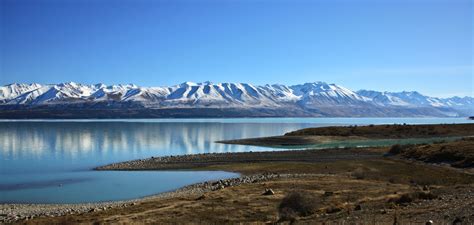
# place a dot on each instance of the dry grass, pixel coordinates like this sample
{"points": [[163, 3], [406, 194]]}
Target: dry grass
{"points": [[320, 135], [335, 193], [389, 131], [413, 196], [390, 170], [296, 203], [458, 153], [246, 203]]}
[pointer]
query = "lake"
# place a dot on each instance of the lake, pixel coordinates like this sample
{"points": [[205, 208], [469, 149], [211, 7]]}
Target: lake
{"points": [[50, 161]]}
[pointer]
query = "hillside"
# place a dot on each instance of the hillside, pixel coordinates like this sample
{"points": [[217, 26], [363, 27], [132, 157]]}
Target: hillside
{"points": [[457, 153], [389, 131]]}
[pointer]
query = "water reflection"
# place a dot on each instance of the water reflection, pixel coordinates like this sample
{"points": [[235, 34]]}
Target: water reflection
{"points": [[73, 139], [40, 184]]}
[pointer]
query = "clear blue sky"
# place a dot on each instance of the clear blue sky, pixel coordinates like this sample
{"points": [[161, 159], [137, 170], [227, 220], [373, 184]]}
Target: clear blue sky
{"points": [[394, 45]]}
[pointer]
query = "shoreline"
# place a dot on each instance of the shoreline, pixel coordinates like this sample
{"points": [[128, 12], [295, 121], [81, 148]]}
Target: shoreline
{"points": [[16, 212], [383, 180], [330, 134], [25, 211], [13, 212], [198, 161], [371, 176]]}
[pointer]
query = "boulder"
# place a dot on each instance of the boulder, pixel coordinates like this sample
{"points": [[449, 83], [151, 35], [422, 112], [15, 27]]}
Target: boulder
{"points": [[358, 207], [201, 197], [268, 192]]}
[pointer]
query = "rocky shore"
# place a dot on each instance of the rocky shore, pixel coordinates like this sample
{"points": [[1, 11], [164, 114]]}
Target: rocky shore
{"points": [[210, 159], [15, 212], [22, 212]]}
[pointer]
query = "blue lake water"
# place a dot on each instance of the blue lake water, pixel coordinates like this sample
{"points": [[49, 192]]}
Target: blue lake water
{"points": [[50, 161]]}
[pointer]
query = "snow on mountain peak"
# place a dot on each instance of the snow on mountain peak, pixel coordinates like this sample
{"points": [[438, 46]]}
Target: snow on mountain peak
{"points": [[14, 90], [208, 94], [188, 83]]}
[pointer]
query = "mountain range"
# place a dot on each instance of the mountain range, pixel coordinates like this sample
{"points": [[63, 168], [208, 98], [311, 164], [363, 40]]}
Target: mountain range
{"points": [[317, 99]]}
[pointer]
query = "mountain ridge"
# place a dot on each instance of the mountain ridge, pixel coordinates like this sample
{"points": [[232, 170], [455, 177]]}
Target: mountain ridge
{"points": [[308, 99]]}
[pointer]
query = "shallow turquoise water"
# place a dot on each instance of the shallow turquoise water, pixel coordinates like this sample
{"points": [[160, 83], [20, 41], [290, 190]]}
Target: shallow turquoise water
{"points": [[370, 143], [50, 161]]}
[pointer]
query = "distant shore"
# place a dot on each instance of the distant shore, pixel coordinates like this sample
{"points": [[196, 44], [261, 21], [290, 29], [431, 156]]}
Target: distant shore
{"points": [[319, 135]]}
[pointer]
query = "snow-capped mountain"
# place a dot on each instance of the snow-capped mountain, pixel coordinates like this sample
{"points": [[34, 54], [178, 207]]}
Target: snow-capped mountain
{"points": [[405, 98], [320, 93], [224, 99], [414, 99], [188, 93]]}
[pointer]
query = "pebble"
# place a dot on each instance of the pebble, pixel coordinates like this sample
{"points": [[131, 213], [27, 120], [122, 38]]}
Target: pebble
{"points": [[268, 192]]}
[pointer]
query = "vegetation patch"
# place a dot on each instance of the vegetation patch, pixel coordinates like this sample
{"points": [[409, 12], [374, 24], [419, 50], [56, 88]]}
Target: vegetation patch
{"points": [[389, 131], [457, 153], [413, 196], [296, 204]]}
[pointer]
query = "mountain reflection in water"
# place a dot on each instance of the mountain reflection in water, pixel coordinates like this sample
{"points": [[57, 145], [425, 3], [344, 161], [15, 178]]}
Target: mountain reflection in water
{"points": [[73, 139]]}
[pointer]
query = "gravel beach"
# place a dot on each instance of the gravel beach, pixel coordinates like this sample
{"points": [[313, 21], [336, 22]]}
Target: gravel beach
{"points": [[22, 212], [16, 212]]}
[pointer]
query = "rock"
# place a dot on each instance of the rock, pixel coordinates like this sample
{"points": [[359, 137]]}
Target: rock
{"points": [[358, 207], [201, 197], [426, 188], [457, 221], [328, 193], [333, 210], [268, 192], [429, 222]]}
